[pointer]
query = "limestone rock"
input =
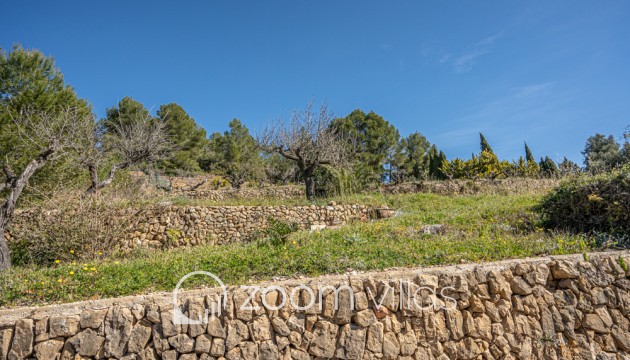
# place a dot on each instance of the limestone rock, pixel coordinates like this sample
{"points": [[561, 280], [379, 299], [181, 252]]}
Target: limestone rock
{"points": [[87, 343], [215, 328], [118, 325], [140, 335], [564, 270], [93, 319], [48, 350], [218, 347], [203, 344], [6, 337], [324, 337], [62, 326], [182, 343], [24, 334]]}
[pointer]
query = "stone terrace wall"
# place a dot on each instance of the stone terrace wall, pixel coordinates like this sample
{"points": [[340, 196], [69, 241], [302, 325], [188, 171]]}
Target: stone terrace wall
{"points": [[276, 192], [173, 226], [470, 187], [562, 308], [204, 187]]}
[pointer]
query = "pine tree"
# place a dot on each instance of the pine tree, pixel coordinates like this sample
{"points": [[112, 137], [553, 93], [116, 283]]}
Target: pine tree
{"points": [[188, 139], [235, 155], [370, 138], [485, 146], [124, 114], [528, 154]]}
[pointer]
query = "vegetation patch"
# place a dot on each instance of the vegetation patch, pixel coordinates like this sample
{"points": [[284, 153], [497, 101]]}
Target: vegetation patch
{"points": [[599, 203], [478, 228]]}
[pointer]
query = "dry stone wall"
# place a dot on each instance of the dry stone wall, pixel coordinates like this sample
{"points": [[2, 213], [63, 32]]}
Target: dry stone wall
{"points": [[472, 187], [175, 226], [546, 308], [275, 192]]}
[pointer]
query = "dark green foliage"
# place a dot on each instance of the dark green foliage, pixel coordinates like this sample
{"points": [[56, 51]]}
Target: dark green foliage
{"points": [[29, 80], [124, 114], [548, 167], [371, 140], [590, 203], [436, 161], [601, 153], [528, 154], [235, 155], [410, 160], [188, 139], [485, 146]]}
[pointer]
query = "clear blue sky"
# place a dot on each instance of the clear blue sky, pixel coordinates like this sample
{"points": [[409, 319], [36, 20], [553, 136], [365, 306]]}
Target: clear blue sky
{"points": [[547, 72]]}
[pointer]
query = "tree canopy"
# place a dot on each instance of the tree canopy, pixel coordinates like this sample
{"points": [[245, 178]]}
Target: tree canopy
{"points": [[371, 140], [601, 153], [235, 155], [187, 138]]}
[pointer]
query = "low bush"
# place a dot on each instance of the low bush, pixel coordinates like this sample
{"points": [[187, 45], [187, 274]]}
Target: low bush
{"points": [[72, 226], [599, 203], [276, 233]]}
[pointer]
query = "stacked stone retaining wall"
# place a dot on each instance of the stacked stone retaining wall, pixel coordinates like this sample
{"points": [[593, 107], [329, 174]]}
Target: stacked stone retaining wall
{"points": [[545, 308], [176, 226]]}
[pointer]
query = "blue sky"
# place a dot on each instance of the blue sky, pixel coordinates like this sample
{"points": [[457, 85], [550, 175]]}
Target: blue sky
{"points": [[547, 72]]}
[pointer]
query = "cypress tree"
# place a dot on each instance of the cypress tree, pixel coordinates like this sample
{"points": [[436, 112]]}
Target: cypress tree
{"points": [[485, 146], [434, 165], [528, 154]]}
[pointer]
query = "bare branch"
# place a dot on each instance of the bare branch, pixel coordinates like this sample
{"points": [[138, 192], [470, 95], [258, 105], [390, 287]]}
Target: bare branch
{"points": [[307, 139], [51, 135], [143, 139]]}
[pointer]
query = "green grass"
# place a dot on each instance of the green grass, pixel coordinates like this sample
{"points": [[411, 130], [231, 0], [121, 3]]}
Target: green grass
{"points": [[478, 228]]}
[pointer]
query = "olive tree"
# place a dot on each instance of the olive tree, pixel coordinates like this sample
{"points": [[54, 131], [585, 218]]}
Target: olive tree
{"points": [[140, 139], [307, 139], [48, 136]]}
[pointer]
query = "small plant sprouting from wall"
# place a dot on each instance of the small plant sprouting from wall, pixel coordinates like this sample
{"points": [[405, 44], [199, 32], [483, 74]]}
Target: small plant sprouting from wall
{"points": [[623, 263], [173, 236]]}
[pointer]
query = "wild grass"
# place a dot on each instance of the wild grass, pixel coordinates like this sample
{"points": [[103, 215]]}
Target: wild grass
{"points": [[476, 228]]}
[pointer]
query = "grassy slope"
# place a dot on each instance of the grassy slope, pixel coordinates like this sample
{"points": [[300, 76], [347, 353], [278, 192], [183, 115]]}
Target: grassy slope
{"points": [[478, 228]]}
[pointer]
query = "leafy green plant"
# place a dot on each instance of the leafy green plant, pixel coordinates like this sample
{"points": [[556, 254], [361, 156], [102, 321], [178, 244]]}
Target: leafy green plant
{"points": [[276, 233], [590, 203]]}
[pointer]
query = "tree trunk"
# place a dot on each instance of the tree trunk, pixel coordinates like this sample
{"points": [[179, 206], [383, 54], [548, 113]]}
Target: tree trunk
{"points": [[310, 186], [16, 185], [5, 258], [95, 183]]}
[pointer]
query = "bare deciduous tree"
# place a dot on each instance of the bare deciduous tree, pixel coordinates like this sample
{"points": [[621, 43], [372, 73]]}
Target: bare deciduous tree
{"points": [[143, 139], [307, 139], [51, 136]]}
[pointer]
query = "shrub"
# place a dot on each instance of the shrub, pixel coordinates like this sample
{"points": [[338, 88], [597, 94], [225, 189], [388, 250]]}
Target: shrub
{"points": [[586, 203], [72, 226], [276, 233]]}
